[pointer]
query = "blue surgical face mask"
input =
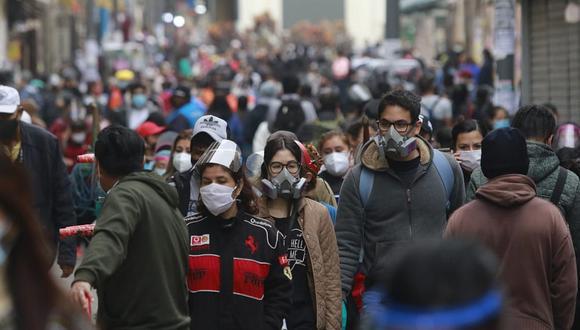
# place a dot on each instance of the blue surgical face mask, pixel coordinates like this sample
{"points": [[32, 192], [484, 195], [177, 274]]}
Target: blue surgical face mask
{"points": [[502, 123], [139, 101]]}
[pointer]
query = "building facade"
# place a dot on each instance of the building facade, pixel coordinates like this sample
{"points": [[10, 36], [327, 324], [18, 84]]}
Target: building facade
{"points": [[551, 57]]}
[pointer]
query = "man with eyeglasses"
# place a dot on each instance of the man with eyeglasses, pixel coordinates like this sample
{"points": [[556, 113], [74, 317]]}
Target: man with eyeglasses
{"points": [[402, 191]]}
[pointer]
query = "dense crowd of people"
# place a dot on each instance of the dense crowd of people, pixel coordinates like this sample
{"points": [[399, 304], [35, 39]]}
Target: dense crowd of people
{"points": [[287, 191]]}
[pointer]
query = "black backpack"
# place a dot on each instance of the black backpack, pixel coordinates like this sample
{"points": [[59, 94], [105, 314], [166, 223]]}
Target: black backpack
{"points": [[289, 117]]}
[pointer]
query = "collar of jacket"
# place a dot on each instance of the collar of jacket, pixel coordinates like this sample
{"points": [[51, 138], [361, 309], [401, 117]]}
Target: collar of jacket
{"points": [[371, 156], [264, 212], [25, 138]]}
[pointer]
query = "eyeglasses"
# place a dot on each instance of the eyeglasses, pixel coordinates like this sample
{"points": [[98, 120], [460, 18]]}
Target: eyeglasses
{"points": [[401, 126], [292, 166]]}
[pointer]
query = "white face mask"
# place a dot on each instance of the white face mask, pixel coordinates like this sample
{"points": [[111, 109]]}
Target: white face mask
{"points": [[337, 163], [470, 160], [78, 138], [217, 198], [182, 162]]}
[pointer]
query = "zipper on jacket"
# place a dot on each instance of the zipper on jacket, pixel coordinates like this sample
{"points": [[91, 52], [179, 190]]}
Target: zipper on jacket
{"points": [[226, 251], [409, 210]]}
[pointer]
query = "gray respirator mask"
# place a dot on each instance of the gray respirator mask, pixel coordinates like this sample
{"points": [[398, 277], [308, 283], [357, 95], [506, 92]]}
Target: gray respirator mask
{"points": [[284, 185], [395, 145]]}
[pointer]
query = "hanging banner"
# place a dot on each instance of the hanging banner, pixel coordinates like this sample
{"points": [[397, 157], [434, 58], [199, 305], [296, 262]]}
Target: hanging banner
{"points": [[504, 48]]}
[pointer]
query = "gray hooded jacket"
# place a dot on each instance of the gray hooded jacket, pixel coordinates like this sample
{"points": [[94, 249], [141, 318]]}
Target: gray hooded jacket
{"points": [[394, 214]]}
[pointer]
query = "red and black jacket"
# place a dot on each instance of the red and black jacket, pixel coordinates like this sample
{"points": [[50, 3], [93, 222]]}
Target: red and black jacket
{"points": [[238, 273]]}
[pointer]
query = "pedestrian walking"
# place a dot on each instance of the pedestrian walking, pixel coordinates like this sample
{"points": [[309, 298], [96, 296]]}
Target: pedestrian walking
{"points": [[40, 153], [309, 235], [553, 182], [180, 158], [528, 234], [207, 130], [402, 191], [462, 291], [467, 136], [137, 258], [239, 276], [186, 110], [337, 159]]}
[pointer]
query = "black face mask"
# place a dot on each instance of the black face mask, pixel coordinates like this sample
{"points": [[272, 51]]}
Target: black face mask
{"points": [[8, 129]]}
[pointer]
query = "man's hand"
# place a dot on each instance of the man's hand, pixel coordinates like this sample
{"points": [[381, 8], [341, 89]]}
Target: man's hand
{"points": [[66, 270], [81, 294]]}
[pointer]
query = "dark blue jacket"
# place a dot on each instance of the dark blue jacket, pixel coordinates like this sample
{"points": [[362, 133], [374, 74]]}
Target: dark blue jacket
{"points": [[186, 116], [42, 157]]}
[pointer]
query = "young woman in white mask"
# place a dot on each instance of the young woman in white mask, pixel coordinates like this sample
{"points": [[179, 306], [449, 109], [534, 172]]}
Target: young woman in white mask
{"points": [[309, 235], [467, 137], [239, 276], [180, 159], [336, 151]]}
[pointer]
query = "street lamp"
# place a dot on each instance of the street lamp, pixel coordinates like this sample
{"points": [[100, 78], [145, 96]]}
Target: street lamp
{"points": [[179, 21], [167, 17], [200, 9]]}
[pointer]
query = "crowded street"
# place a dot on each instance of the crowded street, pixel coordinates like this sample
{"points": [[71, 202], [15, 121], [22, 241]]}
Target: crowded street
{"points": [[290, 164]]}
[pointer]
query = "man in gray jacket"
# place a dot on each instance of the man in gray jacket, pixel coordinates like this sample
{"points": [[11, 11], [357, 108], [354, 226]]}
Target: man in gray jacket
{"points": [[402, 191], [553, 182]]}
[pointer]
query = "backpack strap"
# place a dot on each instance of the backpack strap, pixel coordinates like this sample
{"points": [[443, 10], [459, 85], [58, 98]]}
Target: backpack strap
{"points": [[365, 185], [559, 188], [431, 108], [445, 173]]}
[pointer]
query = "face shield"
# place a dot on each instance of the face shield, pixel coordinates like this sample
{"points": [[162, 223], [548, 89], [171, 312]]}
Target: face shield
{"points": [[225, 153], [567, 136], [254, 165]]}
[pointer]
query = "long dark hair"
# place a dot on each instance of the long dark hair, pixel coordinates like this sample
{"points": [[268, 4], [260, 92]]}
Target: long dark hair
{"points": [[248, 201], [466, 126], [34, 293]]}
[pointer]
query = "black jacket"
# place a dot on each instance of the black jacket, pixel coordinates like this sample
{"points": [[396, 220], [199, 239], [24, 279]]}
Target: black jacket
{"points": [[181, 182], [42, 157], [238, 274], [335, 182], [254, 119]]}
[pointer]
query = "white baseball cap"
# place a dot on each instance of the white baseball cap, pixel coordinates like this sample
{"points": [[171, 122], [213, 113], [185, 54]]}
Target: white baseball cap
{"points": [[211, 125], [9, 99]]}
